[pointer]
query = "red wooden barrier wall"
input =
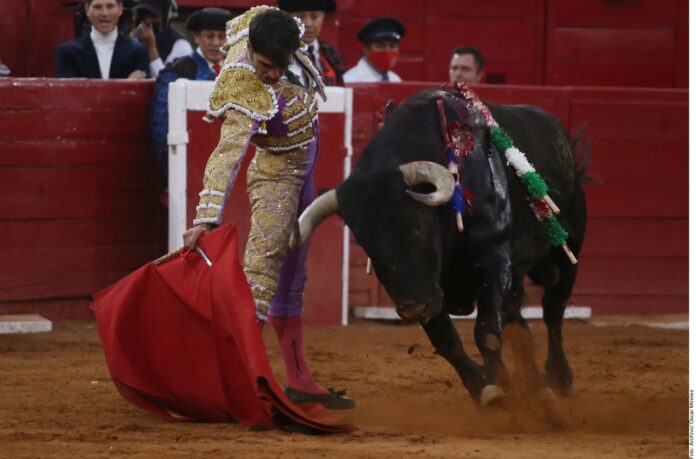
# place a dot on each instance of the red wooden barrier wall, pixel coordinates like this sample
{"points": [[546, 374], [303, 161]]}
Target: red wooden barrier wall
{"points": [[79, 192], [636, 252], [617, 43]]}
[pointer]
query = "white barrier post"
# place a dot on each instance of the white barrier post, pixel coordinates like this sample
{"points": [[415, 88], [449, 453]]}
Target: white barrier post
{"points": [[177, 139]]}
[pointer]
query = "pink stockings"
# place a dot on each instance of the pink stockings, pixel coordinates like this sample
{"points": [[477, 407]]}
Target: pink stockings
{"points": [[297, 372]]}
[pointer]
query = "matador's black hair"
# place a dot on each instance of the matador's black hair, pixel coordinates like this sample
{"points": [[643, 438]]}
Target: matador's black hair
{"points": [[276, 35]]}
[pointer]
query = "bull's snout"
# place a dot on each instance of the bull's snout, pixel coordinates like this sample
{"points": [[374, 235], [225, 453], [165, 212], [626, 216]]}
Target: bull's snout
{"points": [[420, 311]]}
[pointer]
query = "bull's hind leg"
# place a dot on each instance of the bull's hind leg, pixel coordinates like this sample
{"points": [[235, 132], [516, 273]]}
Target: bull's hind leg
{"points": [[448, 344], [558, 372]]}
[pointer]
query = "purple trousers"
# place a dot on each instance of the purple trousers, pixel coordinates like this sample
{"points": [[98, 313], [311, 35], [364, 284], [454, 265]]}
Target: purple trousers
{"points": [[287, 300]]}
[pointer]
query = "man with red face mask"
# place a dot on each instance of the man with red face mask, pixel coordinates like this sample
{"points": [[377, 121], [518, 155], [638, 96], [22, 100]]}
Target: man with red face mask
{"points": [[381, 37]]}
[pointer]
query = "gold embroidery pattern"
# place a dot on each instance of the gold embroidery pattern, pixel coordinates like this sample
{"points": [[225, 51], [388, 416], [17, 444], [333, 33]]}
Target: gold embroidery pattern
{"points": [[302, 121], [236, 52], [294, 109], [241, 89], [284, 143], [274, 184], [222, 167], [300, 129], [241, 22]]}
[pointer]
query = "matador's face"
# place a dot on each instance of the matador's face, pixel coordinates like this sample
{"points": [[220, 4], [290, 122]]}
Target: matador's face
{"points": [[265, 68]]}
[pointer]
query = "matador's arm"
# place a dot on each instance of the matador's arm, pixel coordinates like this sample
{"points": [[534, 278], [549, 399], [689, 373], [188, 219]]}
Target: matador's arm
{"points": [[223, 166]]}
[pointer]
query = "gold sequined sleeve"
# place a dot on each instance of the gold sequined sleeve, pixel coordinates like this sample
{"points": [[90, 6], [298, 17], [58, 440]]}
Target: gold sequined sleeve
{"points": [[223, 166]]}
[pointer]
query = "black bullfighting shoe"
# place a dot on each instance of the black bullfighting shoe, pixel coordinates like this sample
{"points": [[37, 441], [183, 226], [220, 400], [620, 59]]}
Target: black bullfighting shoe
{"points": [[334, 400]]}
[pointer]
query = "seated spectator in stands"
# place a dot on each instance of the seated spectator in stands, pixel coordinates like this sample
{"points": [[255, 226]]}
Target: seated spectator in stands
{"points": [[104, 53], [323, 55], [208, 27], [164, 43], [466, 65], [381, 38]]}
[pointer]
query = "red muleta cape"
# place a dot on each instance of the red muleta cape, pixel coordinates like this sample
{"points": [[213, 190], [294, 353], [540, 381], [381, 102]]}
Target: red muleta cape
{"points": [[181, 340]]}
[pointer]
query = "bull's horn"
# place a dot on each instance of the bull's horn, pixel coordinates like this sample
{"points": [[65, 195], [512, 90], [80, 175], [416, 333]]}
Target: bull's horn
{"points": [[318, 211], [418, 172]]}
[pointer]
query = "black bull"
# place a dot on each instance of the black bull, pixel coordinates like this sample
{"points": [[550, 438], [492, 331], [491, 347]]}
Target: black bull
{"points": [[427, 266]]}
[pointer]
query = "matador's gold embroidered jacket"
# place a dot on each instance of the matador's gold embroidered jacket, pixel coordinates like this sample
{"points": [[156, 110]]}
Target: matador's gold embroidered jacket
{"points": [[276, 118]]}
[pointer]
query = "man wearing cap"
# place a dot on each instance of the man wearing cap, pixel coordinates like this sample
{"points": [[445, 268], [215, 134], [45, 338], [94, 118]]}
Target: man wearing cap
{"points": [[208, 27], [280, 118], [323, 55], [104, 52], [381, 38], [164, 43]]}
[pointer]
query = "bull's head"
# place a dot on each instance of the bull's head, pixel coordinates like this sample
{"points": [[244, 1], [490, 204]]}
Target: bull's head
{"points": [[395, 216]]}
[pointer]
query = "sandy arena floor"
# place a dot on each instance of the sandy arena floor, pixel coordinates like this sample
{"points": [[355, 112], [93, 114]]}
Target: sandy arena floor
{"points": [[630, 399]]}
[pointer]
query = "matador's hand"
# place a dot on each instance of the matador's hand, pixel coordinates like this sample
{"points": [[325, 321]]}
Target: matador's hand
{"points": [[191, 235]]}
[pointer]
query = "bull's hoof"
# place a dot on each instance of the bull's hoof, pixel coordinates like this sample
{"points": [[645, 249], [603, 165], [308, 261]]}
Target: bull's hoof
{"points": [[549, 403], [492, 396], [559, 376], [547, 396]]}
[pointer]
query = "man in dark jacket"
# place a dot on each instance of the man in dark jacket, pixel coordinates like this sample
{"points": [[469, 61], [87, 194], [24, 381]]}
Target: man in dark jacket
{"points": [[103, 53], [323, 55]]}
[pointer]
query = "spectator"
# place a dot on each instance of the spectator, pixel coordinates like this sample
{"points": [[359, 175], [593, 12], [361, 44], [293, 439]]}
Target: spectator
{"points": [[381, 38], [164, 43], [83, 27], [466, 65], [323, 55], [208, 27], [104, 53]]}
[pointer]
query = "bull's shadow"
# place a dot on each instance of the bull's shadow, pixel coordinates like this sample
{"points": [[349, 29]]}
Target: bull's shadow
{"points": [[396, 203]]}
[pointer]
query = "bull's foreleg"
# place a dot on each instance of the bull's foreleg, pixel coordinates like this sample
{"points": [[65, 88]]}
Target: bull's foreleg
{"points": [[487, 331], [518, 338], [447, 343]]}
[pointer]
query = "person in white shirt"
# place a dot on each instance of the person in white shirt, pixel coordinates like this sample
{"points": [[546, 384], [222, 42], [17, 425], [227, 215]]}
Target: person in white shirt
{"points": [[164, 43], [381, 37], [104, 53]]}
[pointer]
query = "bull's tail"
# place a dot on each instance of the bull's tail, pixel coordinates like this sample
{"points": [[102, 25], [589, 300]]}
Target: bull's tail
{"points": [[582, 153]]}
